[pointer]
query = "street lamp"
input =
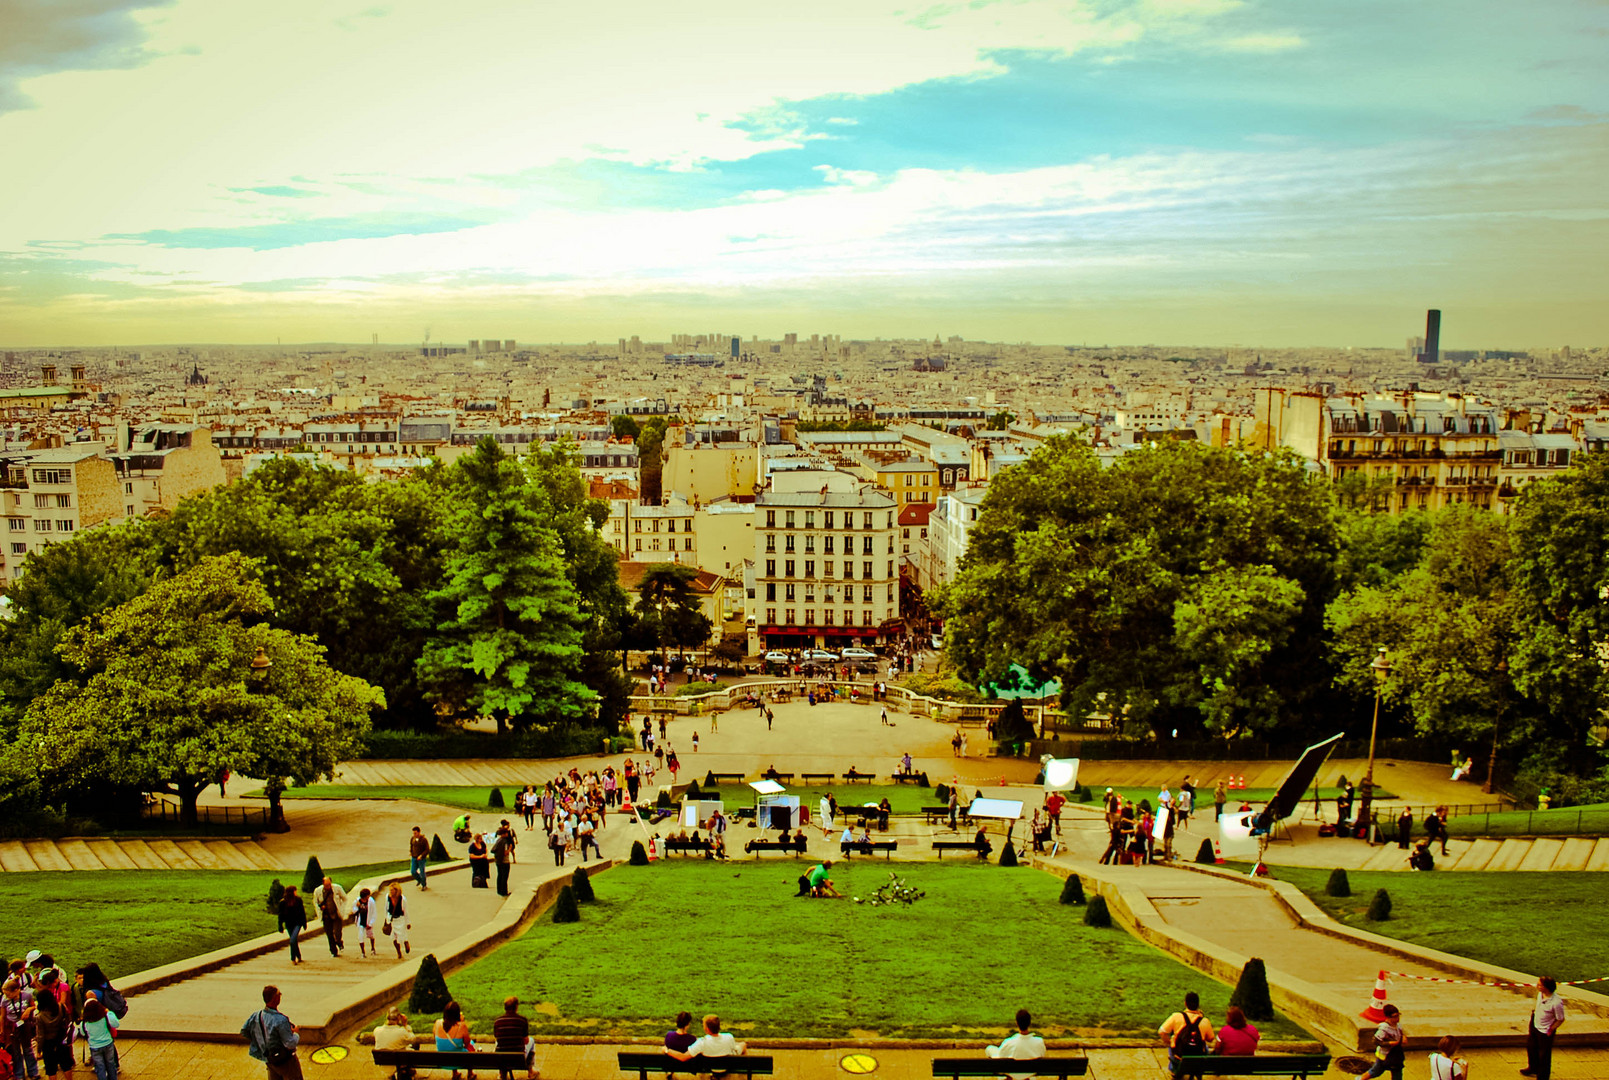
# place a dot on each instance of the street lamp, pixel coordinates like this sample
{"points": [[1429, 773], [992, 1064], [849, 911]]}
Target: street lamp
{"points": [[1381, 667], [260, 665], [1491, 766]]}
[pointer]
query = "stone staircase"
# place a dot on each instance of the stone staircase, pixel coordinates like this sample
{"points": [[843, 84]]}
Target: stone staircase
{"points": [[142, 854], [1513, 853]]}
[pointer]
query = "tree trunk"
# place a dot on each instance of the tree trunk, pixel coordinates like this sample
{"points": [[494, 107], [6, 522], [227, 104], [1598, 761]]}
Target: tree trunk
{"points": [[189, 793], [276, 810]]}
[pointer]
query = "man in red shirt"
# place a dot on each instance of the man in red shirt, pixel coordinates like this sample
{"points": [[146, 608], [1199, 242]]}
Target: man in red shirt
{"points": [[1053, 807]]}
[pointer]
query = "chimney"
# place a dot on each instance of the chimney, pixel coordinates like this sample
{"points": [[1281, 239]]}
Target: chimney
{"points": [[1432, 354]]}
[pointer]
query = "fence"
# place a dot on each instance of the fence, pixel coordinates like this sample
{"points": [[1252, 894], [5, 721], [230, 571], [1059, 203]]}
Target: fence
{"points": [[167, 811]]}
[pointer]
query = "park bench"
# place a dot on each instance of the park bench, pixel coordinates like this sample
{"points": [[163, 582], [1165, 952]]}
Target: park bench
{"points": [[661, 1062], [757, 846], [941, 846], [1045, 1066], [1292, 1065], [779, 777], [852, 777], [865, 816], [870, 847], [505, 1064], [910, 778], [937, 815], [733, 777], [700, 845], [812, 777]]}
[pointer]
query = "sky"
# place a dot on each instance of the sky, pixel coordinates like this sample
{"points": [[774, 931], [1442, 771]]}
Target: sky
{"points": [[1156, 171]]}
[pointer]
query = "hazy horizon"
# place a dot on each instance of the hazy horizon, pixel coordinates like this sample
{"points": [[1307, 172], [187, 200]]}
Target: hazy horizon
{"points": [[1207, 172]]}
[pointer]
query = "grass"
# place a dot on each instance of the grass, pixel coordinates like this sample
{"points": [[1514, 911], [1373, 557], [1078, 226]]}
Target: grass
{"points": [[904, 798], [459, 797], [1591, 819], [733, 939], [1256, 796], [1542, 924], [132, 920]]}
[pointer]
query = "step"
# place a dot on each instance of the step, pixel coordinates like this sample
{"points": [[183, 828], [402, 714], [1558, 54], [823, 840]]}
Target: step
{"points": [[47, 855], [1388, 857], [171, 855], [1599, 859], [1544, 850], [224, 851], [110, 852], [196, 851], [1509, 857], [1480, 854], [1577, 850], [259, 856], [142, 856], [14, 857], [79, 856]]}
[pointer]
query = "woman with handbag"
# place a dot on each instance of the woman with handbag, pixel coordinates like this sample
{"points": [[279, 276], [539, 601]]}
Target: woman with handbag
{"points": [[396, 922], [452, 1034], [292, 921]]}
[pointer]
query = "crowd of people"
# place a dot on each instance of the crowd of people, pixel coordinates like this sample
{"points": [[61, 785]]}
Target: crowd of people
{"points": [[43, 1015], [1133, 837]]}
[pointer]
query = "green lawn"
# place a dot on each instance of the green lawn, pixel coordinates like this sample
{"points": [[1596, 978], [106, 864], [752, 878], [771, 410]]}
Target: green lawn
{"points": [[904, 798], [1256, 796], [472, 799], [1592, 819], [1552, 923], [734, 940], [131, 920]]}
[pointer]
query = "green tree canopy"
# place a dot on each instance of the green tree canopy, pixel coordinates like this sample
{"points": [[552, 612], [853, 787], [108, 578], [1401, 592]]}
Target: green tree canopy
{"points": [[668, 608], [1187, 583], [624, 427], [164, 696]]}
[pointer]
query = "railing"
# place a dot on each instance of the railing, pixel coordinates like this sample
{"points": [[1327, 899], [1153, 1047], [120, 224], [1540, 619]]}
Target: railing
{"points": [[949, 712], [168, 810]]}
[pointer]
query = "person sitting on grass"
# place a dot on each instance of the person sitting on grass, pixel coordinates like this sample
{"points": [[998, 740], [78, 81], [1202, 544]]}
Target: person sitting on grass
{"points": [[1021, 1046], [821, 880], [714, 1043]]}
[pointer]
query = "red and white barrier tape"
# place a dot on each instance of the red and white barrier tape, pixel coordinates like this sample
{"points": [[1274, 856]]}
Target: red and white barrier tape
{"points": [[1499, 985]]}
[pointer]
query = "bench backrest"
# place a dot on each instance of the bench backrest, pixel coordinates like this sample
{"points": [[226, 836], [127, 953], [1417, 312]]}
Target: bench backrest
{"points": [[1046, 1066], [643, 1064], [1259, 1065], [447, 1059]]}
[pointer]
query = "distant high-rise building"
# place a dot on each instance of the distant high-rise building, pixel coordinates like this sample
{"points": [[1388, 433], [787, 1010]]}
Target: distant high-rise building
{"points": [[508, 344], [474, 346], [1432, 352], [737, 346]]}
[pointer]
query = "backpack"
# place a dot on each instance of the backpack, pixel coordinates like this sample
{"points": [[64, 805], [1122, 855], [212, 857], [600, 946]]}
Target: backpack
{"points": [[114, 1001], [1189, 1040]]}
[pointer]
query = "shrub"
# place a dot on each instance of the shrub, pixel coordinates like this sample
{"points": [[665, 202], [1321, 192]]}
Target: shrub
{"points": [[942, 793], [565, 908], [495, 799], [698, 688], [1380, 906], [276, 893], [1086, 795], [1072, 890], [438, 745], [709, 781], [582, 885], [1095, 912], [639, 854], [1008, 855], [1338, 885], [1207, 855], [693, 791], [1013, 725], [922, 780], [1251, 992], [314, 876], [438, 850], [663, 801], [430, 993]]}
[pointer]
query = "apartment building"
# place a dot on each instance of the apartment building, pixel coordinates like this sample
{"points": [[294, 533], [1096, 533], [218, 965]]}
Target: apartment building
{"points": [[948, 529], [165, 463], [826, 568], [49, 495]]}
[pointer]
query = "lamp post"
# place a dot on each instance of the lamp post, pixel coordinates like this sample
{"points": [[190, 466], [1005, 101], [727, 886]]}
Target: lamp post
{"points": [[1491, 765], [259, 676], [1381, 667]]}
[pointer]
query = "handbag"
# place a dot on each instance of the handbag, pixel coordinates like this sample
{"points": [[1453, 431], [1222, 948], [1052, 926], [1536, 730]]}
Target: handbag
{"points": [[278, 1057], [385, 928]]}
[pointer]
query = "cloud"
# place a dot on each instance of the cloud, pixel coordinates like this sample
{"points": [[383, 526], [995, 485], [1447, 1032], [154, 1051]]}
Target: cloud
{"points": [[42, 36], [278, 191], [1264, 43], [293, 234]]}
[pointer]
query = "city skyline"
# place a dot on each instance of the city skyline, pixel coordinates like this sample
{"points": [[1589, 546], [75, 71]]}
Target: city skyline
{"points": [[1201, 173]]}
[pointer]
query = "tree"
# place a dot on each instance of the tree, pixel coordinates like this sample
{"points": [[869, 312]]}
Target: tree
{"points": [[1000, 421], [624, 427], [651, 455], [164, 695], [666, 605], [1187, 583], [509, 641]]}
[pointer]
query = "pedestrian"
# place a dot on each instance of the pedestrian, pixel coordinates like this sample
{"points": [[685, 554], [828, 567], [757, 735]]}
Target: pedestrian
{"points": [[329, 900], [556, 843], [503, 856], [955, 807], [1220, 795], [1546, 1016], [1436, 827], [397, 924], [674, 764], [53, 1026], [550, 803], [662, 727], [1187, 1032], [100, 1030], [17, 1018], [768, 716], [1053, 804], [885, 717], [271, 1038], [480, 863], [715, 718], [365, 913], [586, 834], [418, 852], [1405, 827], [1388, 1045], [527, 807], [1445, 1063]]}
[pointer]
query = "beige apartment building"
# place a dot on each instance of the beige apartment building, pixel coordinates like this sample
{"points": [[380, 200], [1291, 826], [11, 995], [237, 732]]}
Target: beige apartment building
{"points": [[826, 569], [163, 464], [49, 495]]}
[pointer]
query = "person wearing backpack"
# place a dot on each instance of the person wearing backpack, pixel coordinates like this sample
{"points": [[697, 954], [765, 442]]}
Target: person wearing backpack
{"points": [[272, 1038], [1187, 1032]]}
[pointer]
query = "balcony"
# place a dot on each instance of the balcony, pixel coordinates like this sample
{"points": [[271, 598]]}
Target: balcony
{"points": [[1476, 455], [1507, 492], [1484, 483]]}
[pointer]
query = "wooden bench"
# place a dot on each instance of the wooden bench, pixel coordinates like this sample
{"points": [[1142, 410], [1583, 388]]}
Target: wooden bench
{"points": [[734, 777], [941, 814], [813, 777], [757, 846], [869, 847], [505, 1064], [661, 1062], [1045, 1066], [779, 777], [1292, 1065], [700, 845], [909, 777], [855, 777], [941, 846]]}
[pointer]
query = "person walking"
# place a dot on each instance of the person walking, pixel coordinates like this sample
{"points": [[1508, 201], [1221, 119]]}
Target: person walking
{"points": [[1389, 1042], [418, 852], [550, 802], [397, 924], [1436, 828], [1220, 795], [292, 921], [365, 917], [271, 1038], [1405, 828], [329, 900], [100, 1029], [503, 855], [1547, 1014]]}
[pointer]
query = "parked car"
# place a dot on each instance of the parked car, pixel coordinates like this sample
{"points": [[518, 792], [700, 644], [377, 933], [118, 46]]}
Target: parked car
{"points": [[777, 656], [821, 656], [938, 641], [856, 653]]}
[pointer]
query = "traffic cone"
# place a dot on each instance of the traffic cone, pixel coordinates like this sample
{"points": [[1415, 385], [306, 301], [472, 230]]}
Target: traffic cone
{"points": [[653, 849], [1217, 853], [1373, 1013]]}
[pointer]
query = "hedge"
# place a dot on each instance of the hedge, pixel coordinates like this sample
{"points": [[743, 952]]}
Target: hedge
{"points": [[438, 745]]}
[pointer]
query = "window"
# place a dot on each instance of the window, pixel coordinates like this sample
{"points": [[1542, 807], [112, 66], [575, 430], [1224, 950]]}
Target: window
{"points": [[810, 543], [810, 568], [639, 543], [890, 568], [810, 519], [891, 543], [905, 534], [866, 594], [890, 593], [849, 569], [656, 524], [826, 520], [19, 549], [771, 615], [927, 479], [41, 502], [826, 568], [687, 544], [788, 514], [866, 617], [909, 479], [924, 533], [787, 568], [16, 524], [42, 525], [656, 543], [810, 616], [866, 569], [826, 617], [788, 594], [771, 520], [639, 525], [789, 619], [866, 520], [63, 501], [787, 543], [64, 526], [826, 544], [53, 476], [865, 545], [771, 542], [770, 590]]}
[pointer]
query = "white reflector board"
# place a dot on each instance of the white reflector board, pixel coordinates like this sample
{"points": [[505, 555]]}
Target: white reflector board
{"points": [[1234, 836], [1061, 774], [767, 787], [1006, 809]]}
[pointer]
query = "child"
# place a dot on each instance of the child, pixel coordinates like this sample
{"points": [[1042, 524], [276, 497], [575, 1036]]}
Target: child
{"points": [[1388, 1040]]}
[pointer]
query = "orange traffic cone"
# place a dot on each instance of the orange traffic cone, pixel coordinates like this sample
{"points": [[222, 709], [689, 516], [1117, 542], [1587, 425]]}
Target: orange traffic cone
{"points": [[1217, 853], [1377, 1003], [653, 849]]}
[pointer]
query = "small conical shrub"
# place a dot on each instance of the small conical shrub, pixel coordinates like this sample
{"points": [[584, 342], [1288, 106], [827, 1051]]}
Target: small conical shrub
{"points": [[942, 793], [314, 876], [276, 893], [582, 885], [495, 799], [1072, 890], [1338, 885], [922, 780], [1086, 795], [1251, 992], [1206, 854], [709, 780], [1095, 913], [1380, 906], [663, 802], [1008, 855], [639, 854], [429, 988], [438, 850], [693, 791], [1144, 807], [565, 908]]}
